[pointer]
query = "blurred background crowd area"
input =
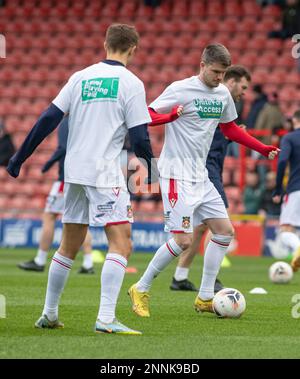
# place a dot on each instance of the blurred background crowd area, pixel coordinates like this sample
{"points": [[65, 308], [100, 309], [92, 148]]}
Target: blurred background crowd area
{"points": [[46, 41]]}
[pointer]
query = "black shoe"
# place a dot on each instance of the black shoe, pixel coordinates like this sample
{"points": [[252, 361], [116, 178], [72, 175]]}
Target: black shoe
{"points": [[31, 266], [218, 286], [182, 285], [84, 270]]}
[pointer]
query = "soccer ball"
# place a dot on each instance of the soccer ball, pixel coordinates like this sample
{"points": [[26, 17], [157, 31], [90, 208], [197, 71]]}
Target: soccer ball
{"points": [[229, 302], [280, 272]]}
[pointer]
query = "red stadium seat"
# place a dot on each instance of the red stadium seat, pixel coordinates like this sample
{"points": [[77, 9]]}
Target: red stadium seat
{"points": [[229, 25], [5, 202], [267, 59], [233, 193], [215, 8], [266, 25], [247, 25], [286, 60], [239, 41], [180, 8], [36, 203], [274, 44], [272, 11], [251, 8], [248, 59], [256, 43], [209, 24], [287, 94], [197, 8]]}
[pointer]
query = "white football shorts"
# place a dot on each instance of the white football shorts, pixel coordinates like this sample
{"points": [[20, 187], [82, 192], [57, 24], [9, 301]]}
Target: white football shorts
{"points": [[290, 209], [96, 206], [188, 204], [55, 199]]}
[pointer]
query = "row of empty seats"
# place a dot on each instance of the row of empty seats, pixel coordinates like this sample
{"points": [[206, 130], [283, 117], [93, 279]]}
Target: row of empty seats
{"points": [[135, 8]]}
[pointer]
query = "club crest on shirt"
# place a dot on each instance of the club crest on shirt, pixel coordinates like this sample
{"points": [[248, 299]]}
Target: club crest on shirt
{"points": [[208, 108], [186, 222]]}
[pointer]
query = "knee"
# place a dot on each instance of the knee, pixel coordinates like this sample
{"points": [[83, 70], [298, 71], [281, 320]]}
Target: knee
{"points": [[227, 231], [183, 241], [123, 248]]}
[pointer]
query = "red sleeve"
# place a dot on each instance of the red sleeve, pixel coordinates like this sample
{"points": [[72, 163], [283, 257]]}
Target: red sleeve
{"points": [[232, 131], [159, 119]]}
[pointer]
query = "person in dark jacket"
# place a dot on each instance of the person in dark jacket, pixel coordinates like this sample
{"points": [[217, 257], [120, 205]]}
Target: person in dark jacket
{"points": [[257, 105], [290, 209]]}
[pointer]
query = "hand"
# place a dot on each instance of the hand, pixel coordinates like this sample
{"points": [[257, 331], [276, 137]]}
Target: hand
{"points": [[176, 112], [13, 169], [276, 199], [243, 126], [274, 151], [180, 110]]}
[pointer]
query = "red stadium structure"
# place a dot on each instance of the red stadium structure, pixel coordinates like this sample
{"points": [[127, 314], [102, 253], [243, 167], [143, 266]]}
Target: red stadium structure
{"points": [[46, 41]]}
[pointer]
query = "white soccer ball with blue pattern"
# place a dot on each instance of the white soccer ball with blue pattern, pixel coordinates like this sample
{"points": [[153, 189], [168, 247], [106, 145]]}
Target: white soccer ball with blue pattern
{"points": [[280, 273], [229, 303]]}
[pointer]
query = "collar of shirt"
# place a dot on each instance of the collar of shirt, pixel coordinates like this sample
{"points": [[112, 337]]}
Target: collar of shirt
{"points": [[112, 62]]}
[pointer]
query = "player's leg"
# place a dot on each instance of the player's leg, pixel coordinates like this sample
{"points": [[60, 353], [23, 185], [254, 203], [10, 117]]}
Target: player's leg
{"points": [[218, 284], [289, 239], [87, 264], [179, 222], [289, 220], [213, 213], [39, 262], [222, 234], [75, 219], [180, 280], [116, 216], [112, 275]]}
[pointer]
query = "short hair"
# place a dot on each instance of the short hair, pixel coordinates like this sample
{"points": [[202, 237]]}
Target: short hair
{"points": [[297, 115], [237, 72], [216, 53], [121, 37]]}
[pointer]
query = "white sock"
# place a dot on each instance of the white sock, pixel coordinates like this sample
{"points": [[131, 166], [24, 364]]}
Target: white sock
{"points": [[290, 240], [41, 257], [213, 257], [181, 273], [57, 277], [87, 261], [164, 255], [112, 276]]}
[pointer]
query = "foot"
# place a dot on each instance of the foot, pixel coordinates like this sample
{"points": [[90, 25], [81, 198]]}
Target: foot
{"points": [[84, 270], [296, 261], [44, 323], [182, 285], [31, 266], [203, 305], [218, 286], [140, 301], [115, 327]]}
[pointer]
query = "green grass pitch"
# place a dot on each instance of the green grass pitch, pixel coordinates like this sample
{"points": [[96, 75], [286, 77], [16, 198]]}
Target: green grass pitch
{"points": [[174, 330]]}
